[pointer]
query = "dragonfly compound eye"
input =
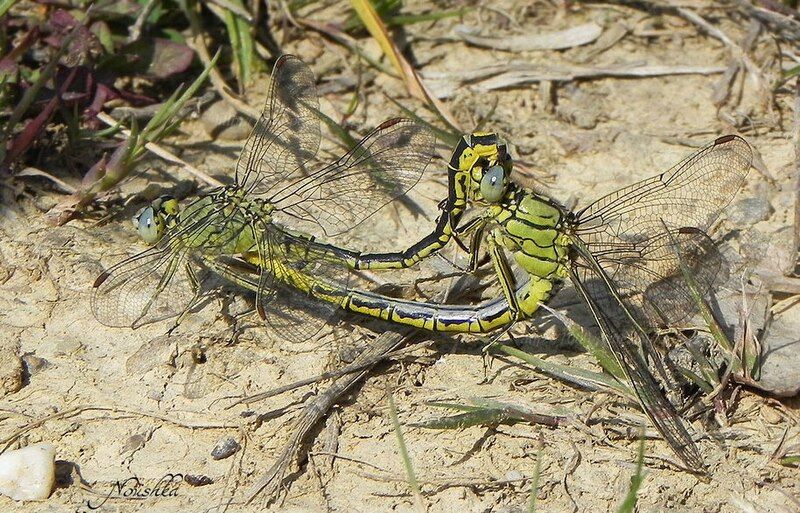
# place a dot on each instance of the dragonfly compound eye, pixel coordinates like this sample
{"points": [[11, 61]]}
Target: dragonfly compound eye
{"points": [[150, 226], [493, 184]]}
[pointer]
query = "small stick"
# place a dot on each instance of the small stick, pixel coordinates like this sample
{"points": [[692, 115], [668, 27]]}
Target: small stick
{"points": [[164, 153], [313, 412], [715, 32], [199, 45]]}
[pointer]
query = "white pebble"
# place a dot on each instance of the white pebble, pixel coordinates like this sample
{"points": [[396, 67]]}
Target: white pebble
{"points": [[28, 474]]}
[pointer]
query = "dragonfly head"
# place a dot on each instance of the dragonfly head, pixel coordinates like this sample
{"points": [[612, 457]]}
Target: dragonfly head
{"points": [[483, 161], [151, 222]]}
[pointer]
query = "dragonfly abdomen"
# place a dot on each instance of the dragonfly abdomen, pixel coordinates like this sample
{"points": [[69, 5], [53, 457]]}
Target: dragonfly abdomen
{"points": [[412, 255]]}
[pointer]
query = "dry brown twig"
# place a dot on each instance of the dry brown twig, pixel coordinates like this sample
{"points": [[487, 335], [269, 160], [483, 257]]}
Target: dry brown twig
{"points": [[77, 410], [442, 483], [574, 36], [515, 73], [272, 480], [780, 21], [358, 365], [198, 44], [135, 31], [164, 154], [737, 51]]}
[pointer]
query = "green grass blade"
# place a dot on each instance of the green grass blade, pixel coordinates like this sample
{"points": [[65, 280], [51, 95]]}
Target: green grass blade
{"points": [[242, 44], [790, 461], [30, 94], [348, 141], [455, 406], [709, 378], [629, 504], [482, 417], [601, 352], [580, 377], [535, 483], [485, 411], [450, 138], [708, 316], [413, 483], [409, 19], [5, 5], [165, 119], [698, 380]]}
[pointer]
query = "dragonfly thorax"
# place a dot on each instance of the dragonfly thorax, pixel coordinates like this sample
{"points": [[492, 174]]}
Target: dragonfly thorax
{"points": [[533, 230]]}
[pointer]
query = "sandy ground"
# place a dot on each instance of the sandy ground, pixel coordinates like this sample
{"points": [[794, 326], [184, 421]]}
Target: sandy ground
{"points": [[119, 403]]}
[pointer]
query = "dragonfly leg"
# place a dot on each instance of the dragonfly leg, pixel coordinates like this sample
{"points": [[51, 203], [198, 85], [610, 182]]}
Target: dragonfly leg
{"points": [[505, 276], [476, 226], [474, 249], [491, 341], [267, 266]]}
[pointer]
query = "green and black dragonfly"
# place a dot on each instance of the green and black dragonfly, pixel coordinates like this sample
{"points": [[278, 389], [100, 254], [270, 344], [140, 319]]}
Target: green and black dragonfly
{"points": [[278, 185], [623, 252]]}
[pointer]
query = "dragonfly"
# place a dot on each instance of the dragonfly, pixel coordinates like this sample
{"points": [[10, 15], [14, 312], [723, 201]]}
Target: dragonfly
{"points": [[623, 253], [277, 185]]}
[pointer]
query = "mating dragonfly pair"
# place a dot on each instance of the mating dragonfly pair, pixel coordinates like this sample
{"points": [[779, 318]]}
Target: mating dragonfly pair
{"points": [[624, 253]]}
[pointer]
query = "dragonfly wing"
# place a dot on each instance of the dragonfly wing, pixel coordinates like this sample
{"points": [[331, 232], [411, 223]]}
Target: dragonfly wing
{"points": [[383, 166], [304, 272], [147, 287], [284, 275], [287, 135], [622, 333], [297, 318], [691, 194], [666, 296], [647, 274], [156, 351], [631, 232]]}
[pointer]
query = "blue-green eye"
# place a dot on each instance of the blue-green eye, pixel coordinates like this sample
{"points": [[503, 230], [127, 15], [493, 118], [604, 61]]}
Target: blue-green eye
{"points": [[493, 184], [150, 226]]}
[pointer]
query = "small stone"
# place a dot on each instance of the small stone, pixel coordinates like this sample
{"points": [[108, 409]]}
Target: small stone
{"points": [[749, 211], [514, 475], [34, 364], [11, 369], [199, 480], [771, 416], [134, 443], [28, 474], [221, 121], [780, 365], [67, 347], [225, 448]]}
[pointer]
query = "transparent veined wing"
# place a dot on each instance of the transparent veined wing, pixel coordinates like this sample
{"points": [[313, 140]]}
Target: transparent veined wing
{"points": [[626, 231], [304, 270], [278, 161], [692, 193], [623, 334], [383, 166], [285, 273], [287, 134]]}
